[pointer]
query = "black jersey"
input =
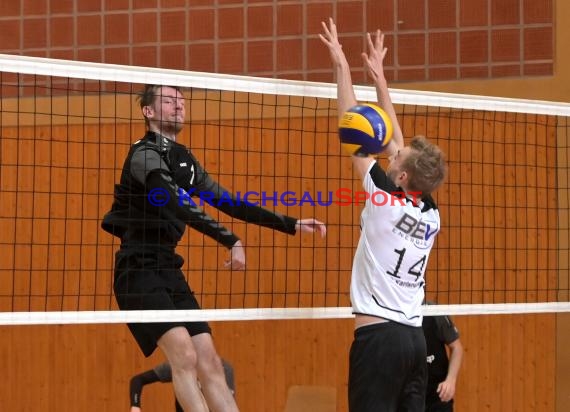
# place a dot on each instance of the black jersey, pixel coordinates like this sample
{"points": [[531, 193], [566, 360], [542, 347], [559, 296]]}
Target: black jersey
{"points": [[152, 201], [439, 331]]}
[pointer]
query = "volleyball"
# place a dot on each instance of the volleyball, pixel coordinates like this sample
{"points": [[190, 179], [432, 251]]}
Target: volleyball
{"points": [[365, 129]]}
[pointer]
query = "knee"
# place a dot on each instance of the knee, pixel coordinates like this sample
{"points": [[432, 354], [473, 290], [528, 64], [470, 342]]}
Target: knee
{"points": [[211, 371], [210, 365], [185, 359], [180, 352]]}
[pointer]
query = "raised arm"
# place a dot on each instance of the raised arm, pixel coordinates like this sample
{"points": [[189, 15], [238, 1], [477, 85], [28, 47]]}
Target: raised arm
{"points": [[345, 90], [374, 62]]}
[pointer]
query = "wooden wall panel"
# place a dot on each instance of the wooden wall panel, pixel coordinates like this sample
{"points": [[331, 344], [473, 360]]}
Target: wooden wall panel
{"points": [[87, 367]]}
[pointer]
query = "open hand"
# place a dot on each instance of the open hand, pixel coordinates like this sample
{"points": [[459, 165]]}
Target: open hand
{"points": [[330, 39], [374, 60], [237, 257], [311, 226]]}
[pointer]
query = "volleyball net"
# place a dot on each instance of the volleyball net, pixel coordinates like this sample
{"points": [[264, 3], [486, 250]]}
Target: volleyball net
{"points": [[66, 128]]}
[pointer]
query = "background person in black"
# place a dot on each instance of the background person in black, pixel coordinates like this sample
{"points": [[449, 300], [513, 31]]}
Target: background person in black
{"points": [[147, 268], [163, 373], [441, 333]]}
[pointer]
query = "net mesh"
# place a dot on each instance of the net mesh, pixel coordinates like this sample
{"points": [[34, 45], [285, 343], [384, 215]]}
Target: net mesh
{"points": [[67, 127]]}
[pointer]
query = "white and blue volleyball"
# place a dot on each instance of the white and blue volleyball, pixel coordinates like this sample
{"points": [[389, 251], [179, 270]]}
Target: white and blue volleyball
{"points": [[365, 129]]}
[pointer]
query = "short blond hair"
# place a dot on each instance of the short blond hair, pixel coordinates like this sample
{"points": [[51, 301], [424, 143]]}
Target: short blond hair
{"points": [[425, 166]]}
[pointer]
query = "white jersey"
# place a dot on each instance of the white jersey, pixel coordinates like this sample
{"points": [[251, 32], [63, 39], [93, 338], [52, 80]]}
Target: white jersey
{"points": [[397, 235]]}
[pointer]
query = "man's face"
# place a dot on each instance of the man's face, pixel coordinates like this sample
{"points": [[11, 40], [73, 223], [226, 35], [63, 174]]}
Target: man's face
{"points": [[167, 113], [395, 169]]}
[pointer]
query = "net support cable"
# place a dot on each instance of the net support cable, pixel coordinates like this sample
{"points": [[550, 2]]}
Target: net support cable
{"points": [[143, 75], [143, 316]]}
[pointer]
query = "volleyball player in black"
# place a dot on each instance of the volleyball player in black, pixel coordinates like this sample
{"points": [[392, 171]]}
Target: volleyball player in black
{"points": [[163, 373], [151, 209], [440, 334]]}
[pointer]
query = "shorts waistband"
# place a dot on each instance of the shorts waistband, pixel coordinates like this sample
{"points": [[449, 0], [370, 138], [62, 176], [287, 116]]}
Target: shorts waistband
{"points": [[151, 238], [370, 328]]}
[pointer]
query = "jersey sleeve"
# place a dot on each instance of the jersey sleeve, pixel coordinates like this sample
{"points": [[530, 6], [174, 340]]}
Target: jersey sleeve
{"points": [[189, 213], [144, 161], [226, 202], [380, 188], [136, 385], [376, 179], [164, 372], [446, 330]]}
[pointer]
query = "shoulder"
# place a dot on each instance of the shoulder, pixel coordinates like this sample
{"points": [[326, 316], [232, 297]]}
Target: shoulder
{"points": [[378, 177], [146, 152], [146, 144], [146, 156], [428, 204], [180, 153], [446, 328], [443, 321]]}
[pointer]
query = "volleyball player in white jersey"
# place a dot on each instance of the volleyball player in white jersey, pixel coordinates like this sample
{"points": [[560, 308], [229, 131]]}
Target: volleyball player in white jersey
{"points": [[387, 366]]}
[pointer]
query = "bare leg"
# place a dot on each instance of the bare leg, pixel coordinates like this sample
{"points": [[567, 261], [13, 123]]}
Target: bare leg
{"points": [[181, 354], [212, 377]]}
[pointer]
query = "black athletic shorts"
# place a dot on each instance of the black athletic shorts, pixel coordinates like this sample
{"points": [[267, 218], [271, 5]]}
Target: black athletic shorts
{"points": [[439, 406], [387, 369], [153, 281]]}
